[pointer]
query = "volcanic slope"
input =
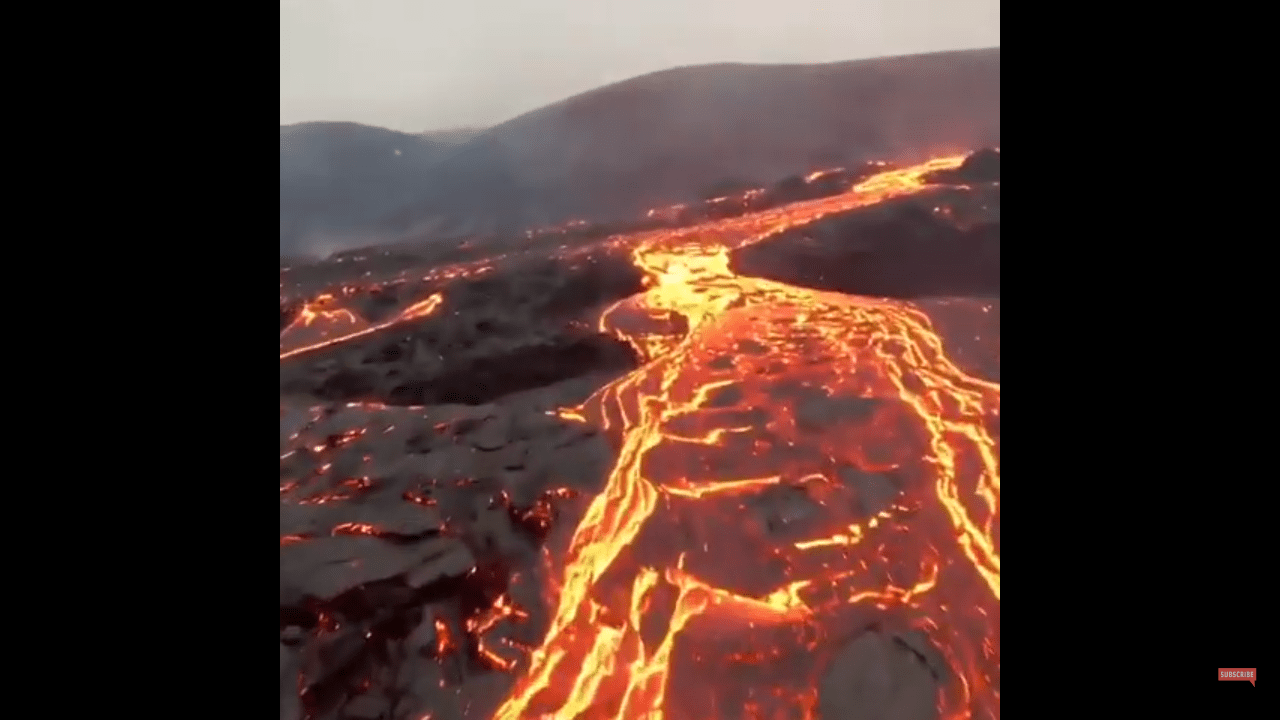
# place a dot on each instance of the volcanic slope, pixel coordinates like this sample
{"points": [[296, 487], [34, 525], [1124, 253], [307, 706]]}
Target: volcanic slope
{"points": [[630, 480], [336, 178], [674, 134]]}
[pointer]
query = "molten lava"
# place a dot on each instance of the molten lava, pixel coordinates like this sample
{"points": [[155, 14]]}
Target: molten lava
{"points": [[705, 424], [677, 585], [417, 311], [321, 318]]}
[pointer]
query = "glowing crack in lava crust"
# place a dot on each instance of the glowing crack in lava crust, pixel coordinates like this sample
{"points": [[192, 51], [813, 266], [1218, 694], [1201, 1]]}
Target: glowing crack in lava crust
{"points": [[347, 320], [672, 587]]}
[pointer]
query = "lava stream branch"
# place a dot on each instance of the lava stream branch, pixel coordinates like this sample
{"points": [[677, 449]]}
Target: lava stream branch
{"points": [[793, 467], [309, 316], [703, 426]]}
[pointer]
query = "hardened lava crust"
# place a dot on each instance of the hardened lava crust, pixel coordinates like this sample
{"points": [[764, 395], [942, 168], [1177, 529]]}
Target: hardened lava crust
{"points": [[735, 461]]}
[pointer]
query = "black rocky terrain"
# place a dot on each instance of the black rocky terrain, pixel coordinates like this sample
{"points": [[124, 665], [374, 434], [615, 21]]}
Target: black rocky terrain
{"points": [[429, 486], [940, 243], [527, 327]]}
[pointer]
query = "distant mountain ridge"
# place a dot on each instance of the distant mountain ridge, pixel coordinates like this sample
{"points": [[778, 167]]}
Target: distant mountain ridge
{"points": [[655, 139], [337, 178], [665, 136]]}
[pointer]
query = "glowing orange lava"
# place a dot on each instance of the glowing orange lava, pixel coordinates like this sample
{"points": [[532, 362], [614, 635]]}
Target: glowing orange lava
{"points": [[323, 310], [670, 563], [682, 579], [417, 311]]}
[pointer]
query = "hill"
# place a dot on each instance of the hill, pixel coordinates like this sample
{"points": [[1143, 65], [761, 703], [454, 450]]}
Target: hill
{"points": [[336, 178], [670, 135]]}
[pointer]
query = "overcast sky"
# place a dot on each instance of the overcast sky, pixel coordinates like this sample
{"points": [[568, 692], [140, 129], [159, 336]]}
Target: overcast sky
{"points": [[415, 65]]}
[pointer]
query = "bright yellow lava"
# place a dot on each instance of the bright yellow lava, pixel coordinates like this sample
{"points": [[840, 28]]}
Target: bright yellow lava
{"points": [[668, 556]]}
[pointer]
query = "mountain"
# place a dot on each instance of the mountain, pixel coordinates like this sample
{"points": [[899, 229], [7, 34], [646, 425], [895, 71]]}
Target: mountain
{"points": [[613, 152], [336, 178], [669, 135], [452, 136]]}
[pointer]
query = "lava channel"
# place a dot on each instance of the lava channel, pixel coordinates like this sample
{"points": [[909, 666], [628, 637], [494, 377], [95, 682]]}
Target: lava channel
{"points": [[672, 586]]}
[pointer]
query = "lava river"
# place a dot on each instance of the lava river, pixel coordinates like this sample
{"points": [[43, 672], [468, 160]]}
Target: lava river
{"points": [[680, 597], [676, 601]]}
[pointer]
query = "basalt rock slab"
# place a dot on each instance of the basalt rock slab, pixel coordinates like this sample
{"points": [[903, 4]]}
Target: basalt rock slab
{"points": [[328, 566], [906, 249], [982, 166], [876, 678]]}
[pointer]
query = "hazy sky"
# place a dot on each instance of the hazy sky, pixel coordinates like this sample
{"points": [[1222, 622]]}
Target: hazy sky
{"points": [[416, 65]]}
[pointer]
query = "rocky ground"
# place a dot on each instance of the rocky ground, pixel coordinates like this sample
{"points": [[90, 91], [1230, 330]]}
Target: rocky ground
{"points": [[394, 261], [408, 540], [429, 486]]}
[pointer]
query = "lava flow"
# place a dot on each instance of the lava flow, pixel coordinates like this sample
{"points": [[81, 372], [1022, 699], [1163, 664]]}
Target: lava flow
{"points": [[345, 332], [679, 597]]}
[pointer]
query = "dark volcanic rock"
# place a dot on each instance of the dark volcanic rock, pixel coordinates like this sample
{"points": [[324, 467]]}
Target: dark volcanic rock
{"points": [[380, 302], [819, 409], [326, 567], [824, 183], [789, 189], [830, 183], [875, 493], [290, 706], [288, 312], [328, 662], [970, 329], [367, 707], [519, 327], [492, 433], [396, 519], [347, 384], [875, 677], [486, 379], [455, 561], [982, 166], [901, 250], [415, 541]]}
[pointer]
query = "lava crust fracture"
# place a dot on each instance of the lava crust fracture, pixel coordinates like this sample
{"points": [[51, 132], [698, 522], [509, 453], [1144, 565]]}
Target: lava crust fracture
{"points": [[745, 468]]}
